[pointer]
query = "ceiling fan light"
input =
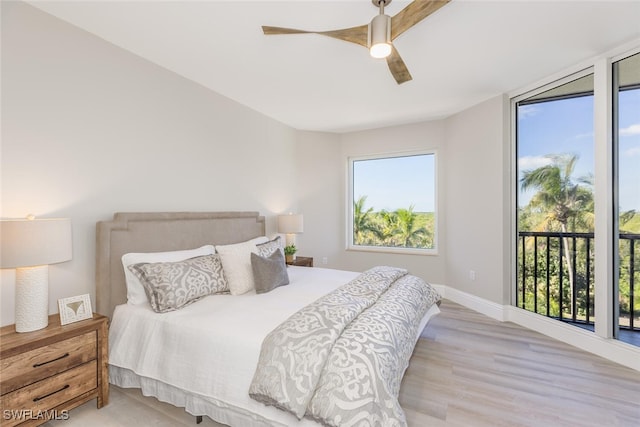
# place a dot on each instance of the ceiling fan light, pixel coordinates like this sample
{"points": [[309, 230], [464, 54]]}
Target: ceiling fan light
{"points": [[380, 36], [380, 50]]}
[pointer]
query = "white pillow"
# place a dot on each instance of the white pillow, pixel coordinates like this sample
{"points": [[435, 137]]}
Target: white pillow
{"points": [[135, 290], [236, 264]]}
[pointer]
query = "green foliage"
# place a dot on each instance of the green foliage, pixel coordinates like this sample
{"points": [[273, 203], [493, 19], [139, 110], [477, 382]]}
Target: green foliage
{"points": [[565, 204], [630, 222], [541, 271], [401, 228], [290, 249]]}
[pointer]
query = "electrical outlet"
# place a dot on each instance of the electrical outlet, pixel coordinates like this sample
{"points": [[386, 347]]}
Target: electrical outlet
{"points": [[472, 275], [325, 260]]}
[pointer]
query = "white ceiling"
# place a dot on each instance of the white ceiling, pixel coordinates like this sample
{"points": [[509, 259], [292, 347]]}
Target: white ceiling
{"points": [[468, 51]]}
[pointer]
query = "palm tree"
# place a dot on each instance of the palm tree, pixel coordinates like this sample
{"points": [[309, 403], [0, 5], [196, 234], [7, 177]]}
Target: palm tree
{"points": [[362, 222], [408, 232], [387, 228], [563, 201]]}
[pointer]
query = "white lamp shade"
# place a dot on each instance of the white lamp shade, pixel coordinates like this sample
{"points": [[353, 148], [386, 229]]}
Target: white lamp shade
{"points": [[290, 224], [27, 243]]}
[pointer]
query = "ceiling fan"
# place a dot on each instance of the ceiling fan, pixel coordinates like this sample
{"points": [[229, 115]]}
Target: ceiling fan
{"points": [[379, 34]]}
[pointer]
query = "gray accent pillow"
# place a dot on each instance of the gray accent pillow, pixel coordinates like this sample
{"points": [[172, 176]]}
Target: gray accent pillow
{"points": [[269, 272], [173, 285], [266, 249]]}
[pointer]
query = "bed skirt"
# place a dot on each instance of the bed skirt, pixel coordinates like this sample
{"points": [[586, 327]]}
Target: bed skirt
{"points": [[192, 403]]}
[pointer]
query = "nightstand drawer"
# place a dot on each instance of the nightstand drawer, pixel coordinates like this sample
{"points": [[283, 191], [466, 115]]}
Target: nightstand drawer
{"points": [[45, 395], [37, 364], [302, 261]]}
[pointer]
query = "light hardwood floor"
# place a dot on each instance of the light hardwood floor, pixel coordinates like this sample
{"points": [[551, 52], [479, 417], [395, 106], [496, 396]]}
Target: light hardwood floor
{"points": [[467, 370]]}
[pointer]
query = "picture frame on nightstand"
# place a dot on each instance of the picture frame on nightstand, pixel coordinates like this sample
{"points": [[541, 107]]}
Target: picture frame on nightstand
{"points": [[74, 309]]}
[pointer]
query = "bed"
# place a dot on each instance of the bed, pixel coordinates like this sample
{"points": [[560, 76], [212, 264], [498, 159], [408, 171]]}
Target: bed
{"points": [[206, 355]]}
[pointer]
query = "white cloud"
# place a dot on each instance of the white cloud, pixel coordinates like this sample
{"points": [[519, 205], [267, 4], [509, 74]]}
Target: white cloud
{"points": [[631, 130], [586, 135], [635, 151], [533, 162], [527, 111]]}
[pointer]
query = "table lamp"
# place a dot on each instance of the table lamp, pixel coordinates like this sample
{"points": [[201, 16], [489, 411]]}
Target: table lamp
{"points": [[29, 246], [290, 225]]}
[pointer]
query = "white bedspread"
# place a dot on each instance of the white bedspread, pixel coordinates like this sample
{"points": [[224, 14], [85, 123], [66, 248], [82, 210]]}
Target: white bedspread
{"points": [[211, 347]]}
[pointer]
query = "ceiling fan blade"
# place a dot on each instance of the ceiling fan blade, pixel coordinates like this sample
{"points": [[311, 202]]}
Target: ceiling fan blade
{"points": [[268, 31], [357, 35], [415, 12], [397, 67]]}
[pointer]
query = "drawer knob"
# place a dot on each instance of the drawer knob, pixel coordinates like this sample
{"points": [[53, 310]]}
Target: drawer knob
{"points": [[37, 365], [50, 394]]}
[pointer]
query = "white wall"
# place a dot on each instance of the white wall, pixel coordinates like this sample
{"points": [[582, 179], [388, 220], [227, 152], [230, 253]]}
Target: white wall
{"points": [[89, 129], [477, 177], [473, 198], [319, 193], [420, 136]]}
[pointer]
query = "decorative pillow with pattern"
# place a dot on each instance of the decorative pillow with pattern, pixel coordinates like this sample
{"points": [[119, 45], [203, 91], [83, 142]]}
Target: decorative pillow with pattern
{"points": [[269, 272], [266, 249], [136, 293], [173, 285]]}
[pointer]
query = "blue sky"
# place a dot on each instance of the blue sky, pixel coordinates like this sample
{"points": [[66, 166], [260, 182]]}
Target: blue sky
{"points": [[398, 182], [566, 127]]}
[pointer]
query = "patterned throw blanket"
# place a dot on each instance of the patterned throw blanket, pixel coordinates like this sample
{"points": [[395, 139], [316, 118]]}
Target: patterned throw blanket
{"points": [[341, 359]]}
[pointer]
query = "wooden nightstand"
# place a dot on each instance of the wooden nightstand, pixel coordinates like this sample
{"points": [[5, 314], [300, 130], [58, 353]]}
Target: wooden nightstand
{"points": [[302, 261], [45, 373]]}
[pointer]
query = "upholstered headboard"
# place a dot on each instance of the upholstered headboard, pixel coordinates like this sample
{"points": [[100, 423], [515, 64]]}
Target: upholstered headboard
{"points": [[159, 232]]}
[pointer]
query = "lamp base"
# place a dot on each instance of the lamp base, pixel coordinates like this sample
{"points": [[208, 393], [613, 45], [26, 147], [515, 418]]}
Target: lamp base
{"points": [[290, 239], [32, 298]]}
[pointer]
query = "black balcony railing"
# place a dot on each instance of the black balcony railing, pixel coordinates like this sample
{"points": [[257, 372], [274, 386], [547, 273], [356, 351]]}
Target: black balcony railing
{"points": [[555, 277]]}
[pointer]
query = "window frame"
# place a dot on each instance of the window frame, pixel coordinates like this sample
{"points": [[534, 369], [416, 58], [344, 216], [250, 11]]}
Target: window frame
{"points": [[350, 246]]}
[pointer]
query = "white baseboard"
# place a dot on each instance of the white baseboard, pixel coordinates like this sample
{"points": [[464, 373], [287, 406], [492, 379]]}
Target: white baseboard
{"points": [[475, 303], [611, 349]]}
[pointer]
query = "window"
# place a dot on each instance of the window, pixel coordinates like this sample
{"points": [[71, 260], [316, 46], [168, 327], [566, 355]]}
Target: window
{"points": [[392, 202], [555, 220]]}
